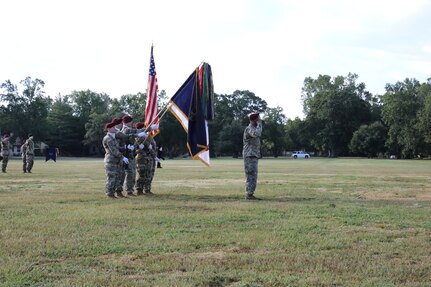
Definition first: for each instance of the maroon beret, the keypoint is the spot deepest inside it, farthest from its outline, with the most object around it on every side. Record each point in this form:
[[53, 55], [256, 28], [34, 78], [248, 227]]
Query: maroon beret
[[139, 125], [253, 116], [116, 121], [110, 125], [127, 119]]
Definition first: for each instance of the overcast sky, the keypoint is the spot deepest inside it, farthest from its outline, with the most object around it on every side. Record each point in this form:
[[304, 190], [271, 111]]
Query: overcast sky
[[267, 47]]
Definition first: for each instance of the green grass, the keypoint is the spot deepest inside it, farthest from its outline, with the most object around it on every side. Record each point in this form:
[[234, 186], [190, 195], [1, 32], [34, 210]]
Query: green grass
[[323, 222]]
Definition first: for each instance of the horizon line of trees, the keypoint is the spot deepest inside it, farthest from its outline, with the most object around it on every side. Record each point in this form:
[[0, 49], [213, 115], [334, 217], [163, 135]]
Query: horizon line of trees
[[341, 119]]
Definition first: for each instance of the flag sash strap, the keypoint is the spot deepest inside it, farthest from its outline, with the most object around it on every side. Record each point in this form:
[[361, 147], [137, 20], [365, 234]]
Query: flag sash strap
[[179, 115], [184, 121]]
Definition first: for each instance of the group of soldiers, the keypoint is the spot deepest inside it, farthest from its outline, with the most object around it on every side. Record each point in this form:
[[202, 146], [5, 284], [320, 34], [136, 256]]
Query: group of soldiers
[[27, 153], [130, 158], [131, 154]]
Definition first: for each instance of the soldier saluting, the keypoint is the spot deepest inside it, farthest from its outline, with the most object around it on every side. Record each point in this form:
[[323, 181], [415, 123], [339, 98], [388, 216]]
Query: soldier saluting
[[251, 153]]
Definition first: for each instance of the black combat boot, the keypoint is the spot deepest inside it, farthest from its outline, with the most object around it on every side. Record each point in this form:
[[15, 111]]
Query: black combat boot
[[251, 197]]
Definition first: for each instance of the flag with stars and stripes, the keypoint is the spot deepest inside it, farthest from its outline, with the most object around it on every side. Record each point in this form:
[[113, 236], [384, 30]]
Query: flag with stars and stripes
[[151, 109]]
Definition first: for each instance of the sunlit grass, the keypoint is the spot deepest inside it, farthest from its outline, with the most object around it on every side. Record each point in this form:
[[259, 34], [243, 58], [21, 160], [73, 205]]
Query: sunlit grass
[[323, 222]]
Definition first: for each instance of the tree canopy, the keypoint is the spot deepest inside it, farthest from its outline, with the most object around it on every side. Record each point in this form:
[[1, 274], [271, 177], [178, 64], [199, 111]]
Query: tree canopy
[[341, 118]]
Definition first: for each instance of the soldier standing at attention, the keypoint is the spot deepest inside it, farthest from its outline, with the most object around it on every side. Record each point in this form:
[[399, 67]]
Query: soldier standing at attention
[[251, 154], [113, 159], [29, 153], [24, 156], [121, 139], [5, 147], [129, 152], [146, 152], [124, 147]]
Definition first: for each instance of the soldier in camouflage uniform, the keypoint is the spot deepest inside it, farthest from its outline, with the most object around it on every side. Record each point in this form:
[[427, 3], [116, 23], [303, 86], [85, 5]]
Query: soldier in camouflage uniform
[[29, 153], [251, 154], [146, 152], [24, 156], [124, 140], [129, 152], [121, 139], [113, 159], [5, 147]]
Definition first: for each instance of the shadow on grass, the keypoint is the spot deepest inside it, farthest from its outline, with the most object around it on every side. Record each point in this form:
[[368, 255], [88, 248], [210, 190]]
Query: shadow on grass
[[198, 197], [227, 198], [288, 199]]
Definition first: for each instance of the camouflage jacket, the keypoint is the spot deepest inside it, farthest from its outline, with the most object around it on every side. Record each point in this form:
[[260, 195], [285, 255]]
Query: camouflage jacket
[[5, 146], [112, 150], [30, 147], [23, 149], [150, 148], [128, 138], [251, 140]]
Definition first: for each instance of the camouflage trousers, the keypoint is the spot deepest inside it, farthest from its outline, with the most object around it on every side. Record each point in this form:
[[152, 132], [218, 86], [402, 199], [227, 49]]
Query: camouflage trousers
[[4, 162], [121, 174], [130, 175], [24, 163], [145, 167], [112, 177], [29, 162], [251, 171]]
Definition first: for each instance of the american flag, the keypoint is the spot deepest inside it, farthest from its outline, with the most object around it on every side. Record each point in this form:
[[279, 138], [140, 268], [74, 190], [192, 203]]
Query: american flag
[[151, 109]]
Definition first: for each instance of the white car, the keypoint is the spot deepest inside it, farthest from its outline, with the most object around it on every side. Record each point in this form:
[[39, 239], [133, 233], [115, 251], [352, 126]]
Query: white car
[[300, 154]]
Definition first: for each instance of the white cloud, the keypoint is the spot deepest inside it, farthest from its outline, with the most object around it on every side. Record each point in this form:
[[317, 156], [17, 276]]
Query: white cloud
[[267, 47], [427, 48]]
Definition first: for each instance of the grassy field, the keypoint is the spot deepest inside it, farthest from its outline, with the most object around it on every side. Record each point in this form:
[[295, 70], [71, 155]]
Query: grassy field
[[323, 222]]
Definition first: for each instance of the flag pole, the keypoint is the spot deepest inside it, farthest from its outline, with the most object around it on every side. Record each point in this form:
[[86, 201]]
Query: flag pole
[[164, 110], [159, 115]]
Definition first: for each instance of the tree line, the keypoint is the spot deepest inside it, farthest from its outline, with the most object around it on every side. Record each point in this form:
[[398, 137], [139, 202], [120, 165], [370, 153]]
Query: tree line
[[341, 119]]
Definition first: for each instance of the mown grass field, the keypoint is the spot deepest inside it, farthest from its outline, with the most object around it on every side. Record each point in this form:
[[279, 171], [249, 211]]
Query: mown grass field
[[323, 222]]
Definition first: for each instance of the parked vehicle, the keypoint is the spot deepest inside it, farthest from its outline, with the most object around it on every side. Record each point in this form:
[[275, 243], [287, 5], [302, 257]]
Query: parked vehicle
[[300, 154]]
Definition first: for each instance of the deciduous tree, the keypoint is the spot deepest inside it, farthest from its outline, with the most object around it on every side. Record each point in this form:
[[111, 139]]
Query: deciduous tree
[[401, 105], [334, 109]]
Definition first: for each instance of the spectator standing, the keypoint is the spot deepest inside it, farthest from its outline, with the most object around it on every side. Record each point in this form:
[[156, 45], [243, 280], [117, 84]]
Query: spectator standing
[[159, 157]]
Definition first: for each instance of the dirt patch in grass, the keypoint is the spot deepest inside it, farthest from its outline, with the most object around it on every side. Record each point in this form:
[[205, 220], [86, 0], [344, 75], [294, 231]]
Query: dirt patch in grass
[[124, 259], [411, 195], [325, 190], [207, 183], [218, 255]]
